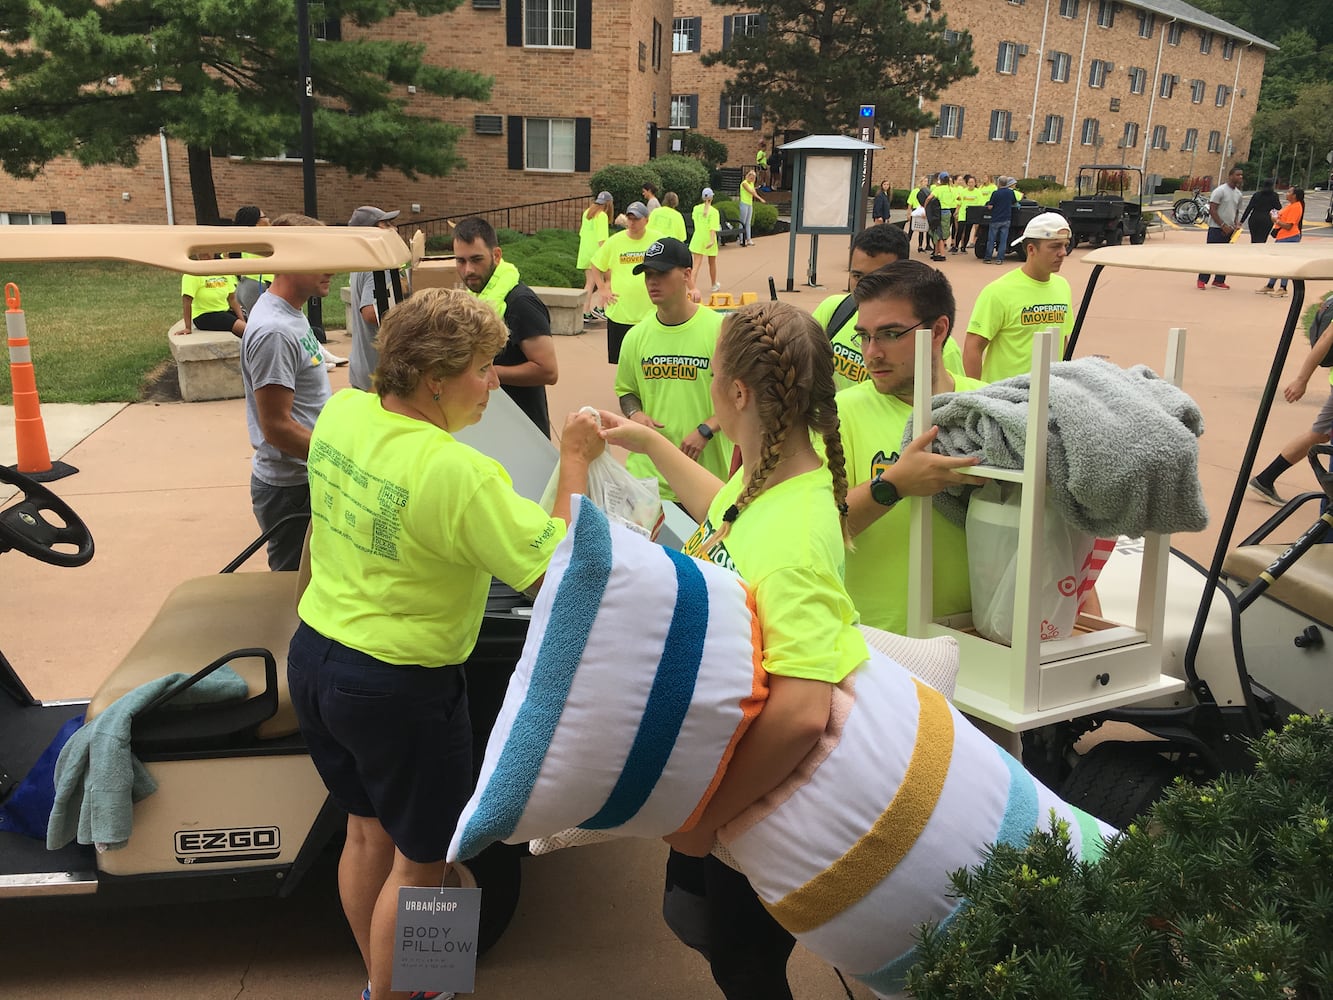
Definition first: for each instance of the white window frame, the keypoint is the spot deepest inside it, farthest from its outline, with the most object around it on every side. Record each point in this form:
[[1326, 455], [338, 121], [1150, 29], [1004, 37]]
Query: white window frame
[[1138, 79], [1205, 41], [1060, 66], [1174, 33], [1004, 120], [1069, 8], [746, 25], [1105, 13], [1228, 48], [25, 218], [1131, 135], [1053, 130], [1223, 95], [1214, 141], [740, 113], [949, 115], [553, 143], [1191, 141], [1159, 137], [1147, 23], [683, 33], [1007, 63], [1197, 91], [681, 103], [556, 24], [1166, 89], [1092, 129], [1097, 74]]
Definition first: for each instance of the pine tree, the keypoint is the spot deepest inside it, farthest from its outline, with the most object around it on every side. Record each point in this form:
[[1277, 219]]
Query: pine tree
[[93, 79], [816, 61]]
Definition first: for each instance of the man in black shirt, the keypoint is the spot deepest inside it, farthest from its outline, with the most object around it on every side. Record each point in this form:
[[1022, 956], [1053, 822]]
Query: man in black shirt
[[526, 365]]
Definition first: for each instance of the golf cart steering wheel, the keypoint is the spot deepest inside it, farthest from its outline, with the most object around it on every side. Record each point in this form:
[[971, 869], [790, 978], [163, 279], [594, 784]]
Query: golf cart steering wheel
[[25, 526]]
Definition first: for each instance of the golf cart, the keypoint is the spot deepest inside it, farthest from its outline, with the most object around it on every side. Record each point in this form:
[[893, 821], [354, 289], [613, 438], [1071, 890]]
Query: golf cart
[[240, 809], [1100, 213], [1216, 654], [979, 216]]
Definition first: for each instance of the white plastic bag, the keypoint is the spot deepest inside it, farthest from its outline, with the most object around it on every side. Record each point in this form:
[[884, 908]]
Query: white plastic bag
[[622, 496], [992, 556]]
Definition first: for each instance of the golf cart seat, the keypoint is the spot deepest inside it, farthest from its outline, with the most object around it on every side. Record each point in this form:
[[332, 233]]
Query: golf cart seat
[[1306, 586], [203, 620]]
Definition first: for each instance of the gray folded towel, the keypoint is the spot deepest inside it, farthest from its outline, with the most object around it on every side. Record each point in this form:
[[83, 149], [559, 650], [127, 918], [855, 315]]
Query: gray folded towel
[[1122, 451]]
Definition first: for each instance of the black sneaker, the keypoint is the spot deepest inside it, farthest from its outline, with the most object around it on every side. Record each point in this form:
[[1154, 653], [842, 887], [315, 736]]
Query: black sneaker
[[1266, 492]]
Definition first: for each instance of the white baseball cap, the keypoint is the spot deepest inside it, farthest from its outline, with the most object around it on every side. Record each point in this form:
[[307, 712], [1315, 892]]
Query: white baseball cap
[[1047, 226]]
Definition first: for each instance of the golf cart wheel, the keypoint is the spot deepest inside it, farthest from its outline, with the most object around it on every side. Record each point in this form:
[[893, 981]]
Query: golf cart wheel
[[1138, 237], [497, 872], [1117, 237], [1117, 782], [1073, 243], [1021, 252], [983, 240]]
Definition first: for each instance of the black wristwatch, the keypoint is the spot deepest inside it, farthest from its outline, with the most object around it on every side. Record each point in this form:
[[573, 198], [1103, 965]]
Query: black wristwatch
[[706, 432], [883, 492]]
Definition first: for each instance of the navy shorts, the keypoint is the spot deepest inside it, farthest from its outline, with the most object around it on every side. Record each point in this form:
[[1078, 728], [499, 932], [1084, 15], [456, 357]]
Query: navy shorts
[[390, 742]]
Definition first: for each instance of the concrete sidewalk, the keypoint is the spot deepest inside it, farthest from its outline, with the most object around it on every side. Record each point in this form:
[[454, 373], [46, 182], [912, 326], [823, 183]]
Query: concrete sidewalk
[[164, 489]]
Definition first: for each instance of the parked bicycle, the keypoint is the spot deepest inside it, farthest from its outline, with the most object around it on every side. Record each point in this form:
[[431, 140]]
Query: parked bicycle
[[1188, 211]]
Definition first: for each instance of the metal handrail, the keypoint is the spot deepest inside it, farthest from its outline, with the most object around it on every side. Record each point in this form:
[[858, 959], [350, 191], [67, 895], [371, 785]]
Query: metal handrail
[[559, 213]]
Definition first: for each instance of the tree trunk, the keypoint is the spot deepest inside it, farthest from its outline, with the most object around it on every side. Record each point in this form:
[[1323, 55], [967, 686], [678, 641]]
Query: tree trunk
[[201, 186]]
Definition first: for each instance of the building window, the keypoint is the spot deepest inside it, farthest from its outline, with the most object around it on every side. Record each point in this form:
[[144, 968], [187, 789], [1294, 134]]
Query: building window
[[1138, 80], [684, 111], [685, 34], [1147, 22], [1174, 33], [1205, 41], [1159, 137], [1091, 130], [1168, 87], [741, 112], [1105, 13], [657, 45], [1228, 48], [25, 218], [1214, 141], [1069, 8], [1191, 140], [1060, 63], [1007, 60], [1131, 137], [999, 127], [1097, 73], [1053, 130], [548, 24], [549, 144], [745, 25], [1223, 92], [951, 122], [1197, 88]]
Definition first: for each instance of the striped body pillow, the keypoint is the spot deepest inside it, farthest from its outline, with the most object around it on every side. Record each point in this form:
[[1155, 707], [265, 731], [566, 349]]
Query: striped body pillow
[[853, 852], [640, 673]]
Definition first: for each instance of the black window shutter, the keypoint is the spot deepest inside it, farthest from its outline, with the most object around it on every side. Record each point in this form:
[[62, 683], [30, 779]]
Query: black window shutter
[[693, 110], [583, 24], [763, 23], [582, 145], [514, 24], [515, 142], [726, 31], [999, 59], [696, 35], [757, 115], [723, 106], [959, 133]]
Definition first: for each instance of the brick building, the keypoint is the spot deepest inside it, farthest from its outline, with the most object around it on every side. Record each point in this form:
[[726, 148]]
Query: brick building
[[580, 84], [1151, 83]]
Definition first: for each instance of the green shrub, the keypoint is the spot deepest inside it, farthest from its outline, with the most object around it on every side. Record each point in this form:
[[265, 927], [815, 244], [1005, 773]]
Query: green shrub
[[1169, 185], [682, 174], [711, 152], [1224, 890], [765, 219], [1031, 185], [898, 199], [625, 183], [1051, 197], [728, 209]]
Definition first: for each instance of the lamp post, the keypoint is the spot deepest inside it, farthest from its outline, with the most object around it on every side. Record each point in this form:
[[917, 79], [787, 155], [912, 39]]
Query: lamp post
[[315, 307]]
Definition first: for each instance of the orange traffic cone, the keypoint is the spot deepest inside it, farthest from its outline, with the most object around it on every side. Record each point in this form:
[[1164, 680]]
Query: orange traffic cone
[[29, 431]]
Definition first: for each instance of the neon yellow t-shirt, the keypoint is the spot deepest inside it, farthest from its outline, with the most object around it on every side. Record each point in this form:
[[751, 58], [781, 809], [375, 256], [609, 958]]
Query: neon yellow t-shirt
[[747, 195], [670, 369], [848, 365], [592, 234], [620, 254], [1009, 310], [666, 221], [787, 545], [985, 191], [872, 433], [245, 254], [967, 197], [707, 223], [947, 195], [208, 293], [409, 527]]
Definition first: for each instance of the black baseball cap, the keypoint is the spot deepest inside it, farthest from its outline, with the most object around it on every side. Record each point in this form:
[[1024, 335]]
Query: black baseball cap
[[665, 255]]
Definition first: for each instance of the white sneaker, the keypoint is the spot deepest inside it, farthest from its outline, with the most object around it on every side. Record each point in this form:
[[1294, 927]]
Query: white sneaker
[[329, 366], [332, 358], [717, 286]]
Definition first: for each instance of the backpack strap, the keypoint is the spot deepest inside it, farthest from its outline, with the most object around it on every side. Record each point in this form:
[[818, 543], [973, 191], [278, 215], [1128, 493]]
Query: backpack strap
[[841, 315]]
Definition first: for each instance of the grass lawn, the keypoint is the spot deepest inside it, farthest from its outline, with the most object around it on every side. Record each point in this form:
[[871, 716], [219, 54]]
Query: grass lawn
[[99, 329]]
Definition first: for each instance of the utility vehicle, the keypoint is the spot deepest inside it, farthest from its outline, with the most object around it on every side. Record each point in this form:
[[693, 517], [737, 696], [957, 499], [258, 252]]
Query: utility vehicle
[[1100, 213]]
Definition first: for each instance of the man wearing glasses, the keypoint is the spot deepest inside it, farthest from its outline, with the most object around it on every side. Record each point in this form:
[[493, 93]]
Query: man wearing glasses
[[892, 304]]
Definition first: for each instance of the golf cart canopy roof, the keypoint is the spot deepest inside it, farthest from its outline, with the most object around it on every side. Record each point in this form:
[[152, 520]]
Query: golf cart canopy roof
[[1109, 166], [1306, 261], [192, 249]]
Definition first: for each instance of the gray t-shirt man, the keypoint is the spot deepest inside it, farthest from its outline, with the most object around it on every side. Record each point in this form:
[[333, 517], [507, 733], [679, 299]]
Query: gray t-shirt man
[[1227, 199], [279, 348], [365, 357]]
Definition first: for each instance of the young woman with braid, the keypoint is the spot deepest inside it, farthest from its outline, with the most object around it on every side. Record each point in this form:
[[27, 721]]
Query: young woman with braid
[[780, 523]]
